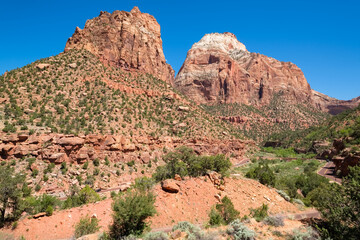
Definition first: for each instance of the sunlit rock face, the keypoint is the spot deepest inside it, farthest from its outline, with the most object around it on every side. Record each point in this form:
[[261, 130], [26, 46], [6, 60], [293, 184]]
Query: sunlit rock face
[[130, 40], [219, 69]]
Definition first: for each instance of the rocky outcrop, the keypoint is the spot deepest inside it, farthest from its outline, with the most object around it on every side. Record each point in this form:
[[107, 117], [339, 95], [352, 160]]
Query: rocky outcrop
[[333, 105], [130, 40], [219, 69], [59, 148]]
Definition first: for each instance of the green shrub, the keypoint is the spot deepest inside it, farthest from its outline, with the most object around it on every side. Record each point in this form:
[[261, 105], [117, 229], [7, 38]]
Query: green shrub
[[239, 231], [88, 195], [260, 213], [184, 162], [86, 164], [14, 225], [263, 173], [86, 226], [130, 213], [37, 188], [49, 210], [226, 210], [43, 203], [215, 219], [96, 162], [144, 184]]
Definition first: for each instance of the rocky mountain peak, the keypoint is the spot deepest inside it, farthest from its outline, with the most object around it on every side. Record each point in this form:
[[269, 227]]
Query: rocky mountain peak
[[219, 69], [135, 10], [130, 40], [226, 42]]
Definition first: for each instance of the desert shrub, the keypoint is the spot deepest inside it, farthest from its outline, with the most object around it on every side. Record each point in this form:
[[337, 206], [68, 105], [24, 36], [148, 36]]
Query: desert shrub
[[184, 162], [37, 188], [156, 236], [96, 162], [88, 195], [305, 234], [227, 210], [298, 201], [239, 231], [215, 219], [49, 210], [275, 221], [86, 164], [14, 225], [86, 226], [192, 231], [78, 198], [260, 213], [144, 184], [130, 212], [43, 203], [284, 195]]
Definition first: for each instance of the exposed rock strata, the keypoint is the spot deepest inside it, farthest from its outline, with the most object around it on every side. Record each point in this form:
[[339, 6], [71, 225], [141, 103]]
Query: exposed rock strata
[[58, 148], [130, 40]]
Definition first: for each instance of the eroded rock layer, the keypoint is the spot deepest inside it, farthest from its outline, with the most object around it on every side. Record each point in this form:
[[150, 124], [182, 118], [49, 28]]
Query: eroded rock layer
[[130, 40]]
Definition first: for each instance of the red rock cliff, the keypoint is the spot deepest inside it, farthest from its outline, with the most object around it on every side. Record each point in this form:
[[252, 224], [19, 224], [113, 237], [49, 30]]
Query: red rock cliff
[[219, 69], [130, 40]]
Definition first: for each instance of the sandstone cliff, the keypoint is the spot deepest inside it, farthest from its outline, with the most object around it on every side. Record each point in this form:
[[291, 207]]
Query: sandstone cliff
[[333, 105], [130, 40], [219, 69]]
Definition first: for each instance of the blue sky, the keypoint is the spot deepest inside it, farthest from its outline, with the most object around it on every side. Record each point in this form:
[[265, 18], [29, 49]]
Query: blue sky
[[321, 37]]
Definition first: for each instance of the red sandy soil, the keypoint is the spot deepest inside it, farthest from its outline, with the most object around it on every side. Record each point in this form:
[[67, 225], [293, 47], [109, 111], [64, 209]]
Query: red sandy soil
[[192, 203]]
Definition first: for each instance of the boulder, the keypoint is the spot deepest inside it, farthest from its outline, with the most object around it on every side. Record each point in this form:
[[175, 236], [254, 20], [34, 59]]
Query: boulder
[[71, 141], [72, 65], [42, 66], [58, 158], [39, 215], [170, 186], [183, 109]]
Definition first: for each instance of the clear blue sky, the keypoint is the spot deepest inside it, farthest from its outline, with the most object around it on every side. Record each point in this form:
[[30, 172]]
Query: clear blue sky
[[321, 37]]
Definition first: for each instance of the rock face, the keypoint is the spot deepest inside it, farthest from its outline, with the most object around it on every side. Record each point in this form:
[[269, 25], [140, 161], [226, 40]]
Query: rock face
[[130, 40], [333, 105], [219, 69]]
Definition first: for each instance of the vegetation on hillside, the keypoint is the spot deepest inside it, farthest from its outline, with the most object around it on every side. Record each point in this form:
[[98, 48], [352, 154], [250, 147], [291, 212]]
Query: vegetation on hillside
[[275, 118], [340, 207], [343, 125], [93, 98], [288, 177]]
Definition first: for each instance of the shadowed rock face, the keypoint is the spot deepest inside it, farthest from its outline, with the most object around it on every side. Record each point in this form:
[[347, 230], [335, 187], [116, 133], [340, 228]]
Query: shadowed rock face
[[333, 105], [219, 69], [130, 40]]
